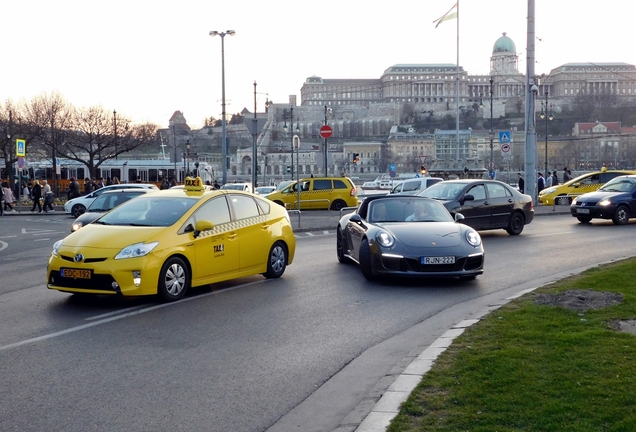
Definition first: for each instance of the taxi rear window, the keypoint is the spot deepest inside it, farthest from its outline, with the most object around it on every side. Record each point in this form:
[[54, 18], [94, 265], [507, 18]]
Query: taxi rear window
[[340, 184]]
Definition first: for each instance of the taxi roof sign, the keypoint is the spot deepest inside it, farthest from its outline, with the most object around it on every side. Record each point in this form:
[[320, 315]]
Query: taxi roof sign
[[193, 184]]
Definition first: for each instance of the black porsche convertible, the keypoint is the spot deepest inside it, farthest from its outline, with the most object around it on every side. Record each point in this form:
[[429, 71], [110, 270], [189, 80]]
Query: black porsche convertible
[[411, 236]]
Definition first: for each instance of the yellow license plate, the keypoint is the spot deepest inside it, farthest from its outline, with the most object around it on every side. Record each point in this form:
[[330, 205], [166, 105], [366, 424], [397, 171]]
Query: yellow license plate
[[75, 273]]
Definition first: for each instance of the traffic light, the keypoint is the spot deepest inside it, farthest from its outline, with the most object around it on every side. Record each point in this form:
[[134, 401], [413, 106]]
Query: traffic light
[[356, 157], [288, 169], [423, 169]]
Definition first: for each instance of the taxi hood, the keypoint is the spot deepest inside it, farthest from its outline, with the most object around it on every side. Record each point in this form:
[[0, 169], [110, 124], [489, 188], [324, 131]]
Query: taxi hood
[[111, 236]]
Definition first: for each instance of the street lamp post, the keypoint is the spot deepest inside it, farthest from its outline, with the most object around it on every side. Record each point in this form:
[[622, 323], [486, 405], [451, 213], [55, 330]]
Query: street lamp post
[[115, 126], [224, 133], [186, 160], [291, 126], [491, 135], [546, 113], [327, 110]]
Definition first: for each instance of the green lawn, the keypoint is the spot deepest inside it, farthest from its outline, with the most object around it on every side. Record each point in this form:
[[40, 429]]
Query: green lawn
[[533, 367]]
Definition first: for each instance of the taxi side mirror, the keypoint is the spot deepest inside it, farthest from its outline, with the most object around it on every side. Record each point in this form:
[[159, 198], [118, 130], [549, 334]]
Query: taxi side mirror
[[577, 184], [202, 225]]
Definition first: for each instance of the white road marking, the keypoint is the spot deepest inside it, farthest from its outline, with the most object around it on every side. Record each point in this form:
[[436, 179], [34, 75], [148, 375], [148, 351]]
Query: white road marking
[[3, 245], [552, 234], [121, 316], [13, 236], [42, 239]]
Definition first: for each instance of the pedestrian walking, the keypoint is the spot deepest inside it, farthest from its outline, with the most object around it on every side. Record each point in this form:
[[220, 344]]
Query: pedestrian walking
[[555, 178], [49, 197], [88, 186], [8, 197], [566, 175], [520, 182], [540, 183], [36, 194], [1, 199], [164, 184], [548, 180], [73, 189]]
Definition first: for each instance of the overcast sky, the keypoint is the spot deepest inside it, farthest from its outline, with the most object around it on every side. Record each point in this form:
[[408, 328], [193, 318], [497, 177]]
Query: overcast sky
[[149, 58]]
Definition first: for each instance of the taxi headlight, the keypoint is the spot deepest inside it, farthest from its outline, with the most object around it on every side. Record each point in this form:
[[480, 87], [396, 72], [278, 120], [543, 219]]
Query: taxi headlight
[[76, 226], [385, 239], [604, 202], [473, 238], [56, 247], [136, 250]]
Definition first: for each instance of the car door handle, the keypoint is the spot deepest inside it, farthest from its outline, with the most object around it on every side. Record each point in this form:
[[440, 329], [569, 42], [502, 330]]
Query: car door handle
[[231, 236]]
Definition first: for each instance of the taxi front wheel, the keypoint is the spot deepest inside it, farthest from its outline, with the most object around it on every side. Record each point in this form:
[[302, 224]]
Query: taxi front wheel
[[276, 261], [173, 280]]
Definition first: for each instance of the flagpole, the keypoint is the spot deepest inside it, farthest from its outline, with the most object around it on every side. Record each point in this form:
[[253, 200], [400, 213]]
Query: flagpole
[[457, 88]]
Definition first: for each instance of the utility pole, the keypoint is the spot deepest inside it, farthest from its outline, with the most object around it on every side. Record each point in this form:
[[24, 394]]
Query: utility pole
[[531, 92]]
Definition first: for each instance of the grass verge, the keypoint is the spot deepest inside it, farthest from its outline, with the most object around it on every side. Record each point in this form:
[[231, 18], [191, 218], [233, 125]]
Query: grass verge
[[536, 367]]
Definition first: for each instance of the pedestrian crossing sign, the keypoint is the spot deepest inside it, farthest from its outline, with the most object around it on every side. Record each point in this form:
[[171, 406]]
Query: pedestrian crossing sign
[[504, 137], [20, 147]]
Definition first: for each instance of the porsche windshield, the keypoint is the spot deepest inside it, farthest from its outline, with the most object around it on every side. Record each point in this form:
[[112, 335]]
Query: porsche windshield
[[149, 211]]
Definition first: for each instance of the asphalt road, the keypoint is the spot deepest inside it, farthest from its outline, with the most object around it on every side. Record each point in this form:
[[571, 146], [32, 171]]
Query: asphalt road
[[310, 351]]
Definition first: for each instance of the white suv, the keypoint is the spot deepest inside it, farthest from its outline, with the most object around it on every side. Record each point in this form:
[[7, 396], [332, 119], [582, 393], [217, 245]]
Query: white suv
[[413, 186], [78, 205]]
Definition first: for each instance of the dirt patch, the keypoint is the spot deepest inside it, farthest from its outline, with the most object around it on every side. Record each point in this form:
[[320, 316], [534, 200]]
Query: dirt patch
[[580, 300]]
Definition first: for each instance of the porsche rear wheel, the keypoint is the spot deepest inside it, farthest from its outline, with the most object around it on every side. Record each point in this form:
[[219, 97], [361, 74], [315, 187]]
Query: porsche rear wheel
[[515, 226], [621, 217], [366, 261], [340, 247], [174, 280], [276, 261]]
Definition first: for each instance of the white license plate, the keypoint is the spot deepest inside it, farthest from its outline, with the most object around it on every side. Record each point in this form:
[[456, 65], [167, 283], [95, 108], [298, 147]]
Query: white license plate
[[438, 260], [583, 211]]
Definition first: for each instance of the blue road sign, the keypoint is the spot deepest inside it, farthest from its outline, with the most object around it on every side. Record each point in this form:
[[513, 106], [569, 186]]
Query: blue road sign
[[504, 137], [20, 147], [392, 167]]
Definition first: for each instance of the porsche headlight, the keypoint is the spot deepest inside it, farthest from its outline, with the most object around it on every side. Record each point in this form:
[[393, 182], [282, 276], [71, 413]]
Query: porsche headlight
[[56, 247], [604, 202], [385, 239], [136, 250], [473, 238]]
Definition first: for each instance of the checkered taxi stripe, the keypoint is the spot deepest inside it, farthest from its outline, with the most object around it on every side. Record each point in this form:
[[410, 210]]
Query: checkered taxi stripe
[[234, 225]]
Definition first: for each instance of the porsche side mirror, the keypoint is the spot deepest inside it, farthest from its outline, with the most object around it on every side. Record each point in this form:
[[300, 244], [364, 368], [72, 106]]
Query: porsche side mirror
[[355, 218], [459, 217]]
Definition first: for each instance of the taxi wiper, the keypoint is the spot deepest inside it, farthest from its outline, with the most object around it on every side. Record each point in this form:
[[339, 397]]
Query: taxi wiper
[[101, 222], [139, 224]]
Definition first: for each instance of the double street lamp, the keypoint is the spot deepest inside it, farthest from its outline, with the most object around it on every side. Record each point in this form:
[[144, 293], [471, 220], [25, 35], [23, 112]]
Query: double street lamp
[[224, 143], [546, 113]]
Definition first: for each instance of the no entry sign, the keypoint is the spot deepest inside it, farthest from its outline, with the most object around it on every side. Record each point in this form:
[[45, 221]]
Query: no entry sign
[[326, 131]]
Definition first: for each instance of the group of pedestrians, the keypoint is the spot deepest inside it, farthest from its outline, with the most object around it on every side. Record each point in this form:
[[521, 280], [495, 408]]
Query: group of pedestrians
[[42, 191], [552, 179]]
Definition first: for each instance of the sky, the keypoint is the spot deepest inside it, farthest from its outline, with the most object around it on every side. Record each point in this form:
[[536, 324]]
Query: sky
[[147, 59]]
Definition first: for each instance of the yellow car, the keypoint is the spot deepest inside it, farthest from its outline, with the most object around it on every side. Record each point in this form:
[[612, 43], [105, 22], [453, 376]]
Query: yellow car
[[332, 193], [168, 241], [564, 193]]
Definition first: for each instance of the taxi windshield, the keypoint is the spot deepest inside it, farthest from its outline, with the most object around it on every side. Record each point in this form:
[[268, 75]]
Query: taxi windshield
[[149, 211]]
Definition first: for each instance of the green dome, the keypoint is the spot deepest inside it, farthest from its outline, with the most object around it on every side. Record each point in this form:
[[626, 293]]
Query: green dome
[[504, 44]]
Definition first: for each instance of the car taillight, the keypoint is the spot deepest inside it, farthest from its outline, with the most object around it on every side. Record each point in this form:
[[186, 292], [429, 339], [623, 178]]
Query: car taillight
[[353, 192]]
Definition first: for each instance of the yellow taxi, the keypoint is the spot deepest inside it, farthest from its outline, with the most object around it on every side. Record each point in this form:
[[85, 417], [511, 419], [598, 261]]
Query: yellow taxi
[[332, 193], [564, 193], [168, 241]]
